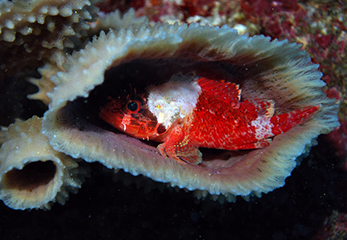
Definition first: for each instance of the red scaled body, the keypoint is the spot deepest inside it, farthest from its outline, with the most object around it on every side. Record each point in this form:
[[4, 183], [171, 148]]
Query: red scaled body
[[218, 120]]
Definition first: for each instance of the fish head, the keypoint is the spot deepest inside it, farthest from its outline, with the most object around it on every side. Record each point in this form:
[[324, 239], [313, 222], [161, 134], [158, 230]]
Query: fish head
[[131, 115]]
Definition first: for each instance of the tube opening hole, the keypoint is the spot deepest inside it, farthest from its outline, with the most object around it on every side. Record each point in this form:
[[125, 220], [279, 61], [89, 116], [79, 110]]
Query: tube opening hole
[[31, 176]]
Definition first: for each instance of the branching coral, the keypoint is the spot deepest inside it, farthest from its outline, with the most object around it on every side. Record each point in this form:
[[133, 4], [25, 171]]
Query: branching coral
[[31, 31]]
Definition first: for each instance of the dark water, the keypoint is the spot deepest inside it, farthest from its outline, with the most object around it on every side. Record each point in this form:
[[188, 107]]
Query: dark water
[[107, 208], [138, 208]]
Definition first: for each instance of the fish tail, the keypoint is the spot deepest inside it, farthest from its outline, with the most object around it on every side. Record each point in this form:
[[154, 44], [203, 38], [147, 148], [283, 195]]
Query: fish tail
[[283, 122]]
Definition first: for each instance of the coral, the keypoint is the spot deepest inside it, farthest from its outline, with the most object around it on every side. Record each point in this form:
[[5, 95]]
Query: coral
[[145, 55], [31, 31], [116, 21], [196, 7], [339, 138], [334, 227], [44, 83], [108, 6], [32, 174], [36, 32]]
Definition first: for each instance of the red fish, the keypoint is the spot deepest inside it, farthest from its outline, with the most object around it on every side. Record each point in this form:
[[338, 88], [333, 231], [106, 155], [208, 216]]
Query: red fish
[[186, 115]]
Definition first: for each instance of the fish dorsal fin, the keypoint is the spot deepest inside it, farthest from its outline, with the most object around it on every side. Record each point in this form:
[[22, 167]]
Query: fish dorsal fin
[[263, 107], [226, 91]]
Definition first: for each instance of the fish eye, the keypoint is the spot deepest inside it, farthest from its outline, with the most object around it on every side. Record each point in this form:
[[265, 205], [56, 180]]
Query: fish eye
[[133, 106]]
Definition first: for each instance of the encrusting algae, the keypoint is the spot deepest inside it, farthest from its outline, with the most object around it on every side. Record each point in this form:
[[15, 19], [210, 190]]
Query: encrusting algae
[[136, 55]]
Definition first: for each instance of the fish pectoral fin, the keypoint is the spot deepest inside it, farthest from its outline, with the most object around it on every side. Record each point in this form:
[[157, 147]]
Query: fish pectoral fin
[[181, 148], [181, 154]]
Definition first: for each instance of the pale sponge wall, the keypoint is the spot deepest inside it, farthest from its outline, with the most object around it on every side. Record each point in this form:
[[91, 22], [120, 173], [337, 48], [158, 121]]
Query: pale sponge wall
[[32, 174]]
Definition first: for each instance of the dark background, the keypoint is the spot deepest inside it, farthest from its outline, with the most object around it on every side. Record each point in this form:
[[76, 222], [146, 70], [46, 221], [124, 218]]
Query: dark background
[[120, 206]]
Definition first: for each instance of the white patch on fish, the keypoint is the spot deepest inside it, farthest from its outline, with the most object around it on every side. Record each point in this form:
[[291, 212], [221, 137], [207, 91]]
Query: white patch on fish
[[263, 127], [173, 100]]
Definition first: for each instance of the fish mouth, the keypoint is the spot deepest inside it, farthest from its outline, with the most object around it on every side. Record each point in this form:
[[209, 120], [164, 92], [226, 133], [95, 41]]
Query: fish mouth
[[91, 114], [256, 65], [84, 134], [112, 116], [88, 120]]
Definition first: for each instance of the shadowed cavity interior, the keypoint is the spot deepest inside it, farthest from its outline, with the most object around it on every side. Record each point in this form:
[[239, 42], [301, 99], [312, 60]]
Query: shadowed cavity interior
[[137, 75], [31, 176]]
